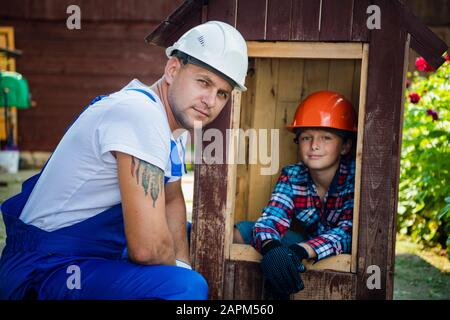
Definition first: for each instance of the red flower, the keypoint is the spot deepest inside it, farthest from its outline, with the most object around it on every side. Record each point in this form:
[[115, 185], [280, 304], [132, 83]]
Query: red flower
[[447, 57], [408, 83], [433, 113], [414, 97], [423, 65]]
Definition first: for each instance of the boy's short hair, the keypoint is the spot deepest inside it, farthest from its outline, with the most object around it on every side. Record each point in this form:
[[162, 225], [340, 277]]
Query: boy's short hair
[[345, 135]]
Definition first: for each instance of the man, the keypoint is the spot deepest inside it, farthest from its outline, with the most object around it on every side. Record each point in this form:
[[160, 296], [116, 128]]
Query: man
[[106, 219]]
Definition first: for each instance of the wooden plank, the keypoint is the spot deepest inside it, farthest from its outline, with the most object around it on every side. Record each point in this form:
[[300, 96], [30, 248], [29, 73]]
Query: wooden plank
[[279, 19], [248, 281], [246, 123], [336, 20], [228, 285], [340, 77], [290, 83], [307, 50], [360, 32], [319, 285], [193, 19], [327, 285], [342, 262], [359, 156], [423, 40], [356, 85], [208, 225], [263, 118], [233, 145], [442, 32], [397, 141], [381, 150], [251, 19], [428, 53], [223, 10], [305, 20], [315, 76]]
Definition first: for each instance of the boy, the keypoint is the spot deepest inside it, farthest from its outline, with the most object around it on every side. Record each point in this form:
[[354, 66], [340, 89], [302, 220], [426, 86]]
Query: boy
[[316, 194]]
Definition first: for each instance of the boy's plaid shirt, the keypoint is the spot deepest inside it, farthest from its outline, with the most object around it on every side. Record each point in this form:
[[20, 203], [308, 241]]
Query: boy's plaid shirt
[[329, 227]]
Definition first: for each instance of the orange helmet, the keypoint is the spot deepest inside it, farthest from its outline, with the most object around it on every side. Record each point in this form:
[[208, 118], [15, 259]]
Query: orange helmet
[[326, 109]]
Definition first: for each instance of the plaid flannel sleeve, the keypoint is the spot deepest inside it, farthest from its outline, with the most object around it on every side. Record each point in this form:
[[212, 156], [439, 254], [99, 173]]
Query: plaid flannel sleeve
[[277, 215], [336, 240]]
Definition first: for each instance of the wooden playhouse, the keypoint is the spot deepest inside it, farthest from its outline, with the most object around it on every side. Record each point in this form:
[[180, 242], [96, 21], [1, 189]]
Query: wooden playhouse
[[297, 47]]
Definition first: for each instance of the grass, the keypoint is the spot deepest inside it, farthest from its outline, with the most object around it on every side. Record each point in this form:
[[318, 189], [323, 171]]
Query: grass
[[10, 184], [420, 273]]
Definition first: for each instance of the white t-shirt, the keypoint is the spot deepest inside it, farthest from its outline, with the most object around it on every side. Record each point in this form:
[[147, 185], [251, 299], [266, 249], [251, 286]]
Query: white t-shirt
[[80, 179]]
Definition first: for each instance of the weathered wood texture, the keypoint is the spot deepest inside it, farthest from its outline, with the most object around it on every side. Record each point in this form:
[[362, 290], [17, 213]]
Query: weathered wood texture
[[188, 15], [251, 19], [224, 10], [209, 214], [243, 281], [208, 229], [327, 285], [381, 150], [91, 10], [301, 20]]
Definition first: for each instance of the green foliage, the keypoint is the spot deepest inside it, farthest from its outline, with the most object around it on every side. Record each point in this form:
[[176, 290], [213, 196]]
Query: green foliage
[[424, 193]]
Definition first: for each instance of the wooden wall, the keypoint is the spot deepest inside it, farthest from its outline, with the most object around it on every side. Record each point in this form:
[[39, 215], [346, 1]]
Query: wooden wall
[[66, 69]]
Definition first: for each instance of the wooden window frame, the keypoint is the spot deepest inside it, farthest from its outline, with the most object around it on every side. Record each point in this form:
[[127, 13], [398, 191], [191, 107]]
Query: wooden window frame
[[300, 50]]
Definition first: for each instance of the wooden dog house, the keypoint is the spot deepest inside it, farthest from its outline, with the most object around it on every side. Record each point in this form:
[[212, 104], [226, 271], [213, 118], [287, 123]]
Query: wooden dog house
[[297, 47]]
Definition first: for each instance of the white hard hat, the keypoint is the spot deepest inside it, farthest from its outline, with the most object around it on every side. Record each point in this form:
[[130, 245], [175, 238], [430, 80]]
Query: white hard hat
[[219, 46]]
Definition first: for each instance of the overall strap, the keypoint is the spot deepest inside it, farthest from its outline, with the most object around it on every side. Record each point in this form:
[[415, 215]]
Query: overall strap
[[148, 94]]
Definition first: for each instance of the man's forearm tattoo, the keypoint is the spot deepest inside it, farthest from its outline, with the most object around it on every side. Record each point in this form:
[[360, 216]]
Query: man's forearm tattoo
[[150, 177]]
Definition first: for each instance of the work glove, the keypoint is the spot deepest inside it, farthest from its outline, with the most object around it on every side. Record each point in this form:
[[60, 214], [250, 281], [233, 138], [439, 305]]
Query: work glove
[[281, 266]]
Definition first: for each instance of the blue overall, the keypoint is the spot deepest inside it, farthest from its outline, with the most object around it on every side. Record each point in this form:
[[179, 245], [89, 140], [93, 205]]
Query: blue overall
[[39, 264]]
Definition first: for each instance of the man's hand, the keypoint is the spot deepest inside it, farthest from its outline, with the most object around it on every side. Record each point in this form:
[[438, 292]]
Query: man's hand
[[281, 266]]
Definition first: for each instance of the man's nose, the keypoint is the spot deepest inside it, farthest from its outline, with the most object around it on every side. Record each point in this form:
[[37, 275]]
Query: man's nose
[[209, 98]]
